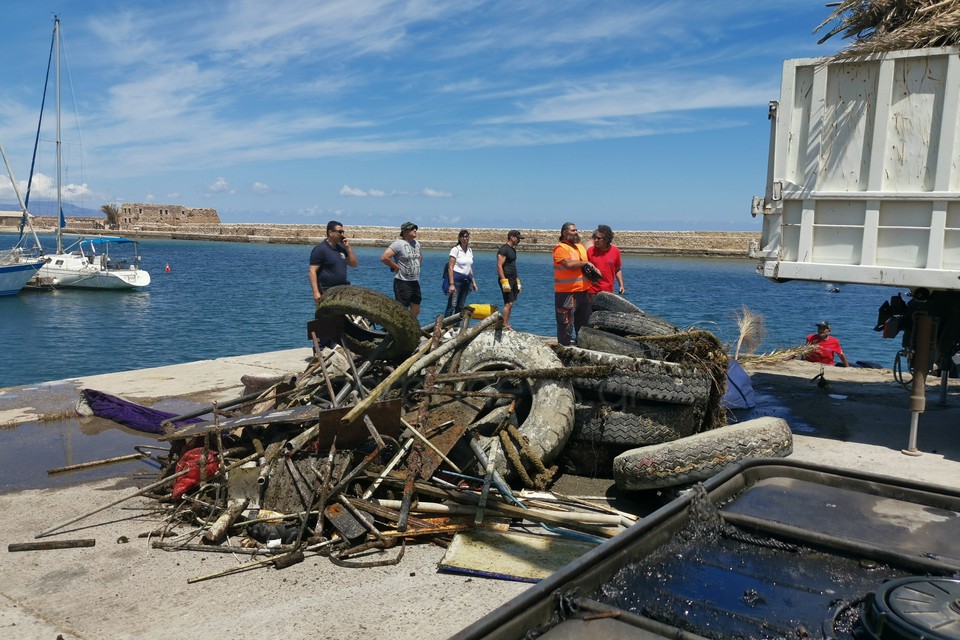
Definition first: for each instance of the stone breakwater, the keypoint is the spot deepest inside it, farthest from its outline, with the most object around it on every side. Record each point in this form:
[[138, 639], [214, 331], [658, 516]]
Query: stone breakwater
[[727, 244]]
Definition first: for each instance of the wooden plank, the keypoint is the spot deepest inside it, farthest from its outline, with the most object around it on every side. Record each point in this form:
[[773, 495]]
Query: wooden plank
[[522, 557]]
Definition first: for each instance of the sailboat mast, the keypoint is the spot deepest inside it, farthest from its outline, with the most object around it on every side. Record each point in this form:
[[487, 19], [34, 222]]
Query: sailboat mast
[[56, 39]]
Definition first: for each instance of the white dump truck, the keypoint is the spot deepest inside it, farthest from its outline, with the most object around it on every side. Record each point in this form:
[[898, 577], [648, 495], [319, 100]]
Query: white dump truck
[[863, 186]]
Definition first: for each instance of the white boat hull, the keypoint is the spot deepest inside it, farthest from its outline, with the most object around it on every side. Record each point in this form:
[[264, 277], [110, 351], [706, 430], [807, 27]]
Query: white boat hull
[[77, 271], [14, 276]]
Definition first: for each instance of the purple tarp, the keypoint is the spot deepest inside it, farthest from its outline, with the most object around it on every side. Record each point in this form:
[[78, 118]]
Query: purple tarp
[[129, 414]]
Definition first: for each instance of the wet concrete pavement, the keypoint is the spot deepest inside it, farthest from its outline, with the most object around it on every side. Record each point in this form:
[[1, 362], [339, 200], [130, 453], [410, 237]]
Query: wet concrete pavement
[[40, 428]]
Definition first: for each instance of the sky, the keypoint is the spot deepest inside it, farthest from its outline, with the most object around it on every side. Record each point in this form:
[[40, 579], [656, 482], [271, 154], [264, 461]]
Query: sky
[[466, 113]]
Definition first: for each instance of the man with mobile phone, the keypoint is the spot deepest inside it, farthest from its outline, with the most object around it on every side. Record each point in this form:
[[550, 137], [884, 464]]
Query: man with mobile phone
[[329, 261]]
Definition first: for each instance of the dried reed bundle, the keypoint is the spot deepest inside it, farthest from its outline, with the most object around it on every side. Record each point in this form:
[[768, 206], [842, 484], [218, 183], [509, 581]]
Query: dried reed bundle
[[779, 355], [752, 332], [878, 26]]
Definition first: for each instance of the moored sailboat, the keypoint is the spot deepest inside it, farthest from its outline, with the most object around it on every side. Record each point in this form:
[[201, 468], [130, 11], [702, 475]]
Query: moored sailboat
[[17, 265], [80, 265]]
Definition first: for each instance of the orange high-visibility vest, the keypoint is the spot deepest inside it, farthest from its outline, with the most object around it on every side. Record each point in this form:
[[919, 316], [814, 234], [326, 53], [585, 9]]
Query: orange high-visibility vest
[[569, 280]]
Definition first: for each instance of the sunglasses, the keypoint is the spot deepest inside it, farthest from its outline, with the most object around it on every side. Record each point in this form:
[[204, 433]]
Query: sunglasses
[[598, 237], [340, 231]]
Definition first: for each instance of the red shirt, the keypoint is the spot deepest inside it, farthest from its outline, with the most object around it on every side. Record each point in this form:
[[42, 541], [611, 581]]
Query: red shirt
[[608, 263], [825, 351]]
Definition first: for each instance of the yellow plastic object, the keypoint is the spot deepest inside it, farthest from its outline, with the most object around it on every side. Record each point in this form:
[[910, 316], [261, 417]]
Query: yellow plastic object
[[481, 311]]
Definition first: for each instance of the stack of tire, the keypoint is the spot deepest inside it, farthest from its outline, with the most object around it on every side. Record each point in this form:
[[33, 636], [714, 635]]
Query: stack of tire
[[653, 422]]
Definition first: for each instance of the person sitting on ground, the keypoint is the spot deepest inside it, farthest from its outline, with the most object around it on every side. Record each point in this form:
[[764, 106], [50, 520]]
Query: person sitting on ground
[[826, 346]]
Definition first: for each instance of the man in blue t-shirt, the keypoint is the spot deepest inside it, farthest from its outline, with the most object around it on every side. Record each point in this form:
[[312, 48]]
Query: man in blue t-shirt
[[329, 260]]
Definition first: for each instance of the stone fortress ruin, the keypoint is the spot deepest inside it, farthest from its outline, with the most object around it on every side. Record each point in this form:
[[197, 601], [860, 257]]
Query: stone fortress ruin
[[140, 214]]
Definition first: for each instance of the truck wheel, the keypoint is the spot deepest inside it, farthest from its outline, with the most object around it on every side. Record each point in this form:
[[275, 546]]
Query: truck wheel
[[698, 457], [630, 324], [639, 378], [545, 416], [385, 316], [638, 426], [598, 340]]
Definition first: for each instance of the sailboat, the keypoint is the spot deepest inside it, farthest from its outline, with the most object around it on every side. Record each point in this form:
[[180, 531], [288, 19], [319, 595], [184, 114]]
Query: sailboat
[[87, 263], [18, 264]]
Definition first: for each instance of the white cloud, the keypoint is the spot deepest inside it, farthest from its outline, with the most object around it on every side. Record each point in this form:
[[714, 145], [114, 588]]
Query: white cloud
[[350, 192], [260, 187], [220, 185]]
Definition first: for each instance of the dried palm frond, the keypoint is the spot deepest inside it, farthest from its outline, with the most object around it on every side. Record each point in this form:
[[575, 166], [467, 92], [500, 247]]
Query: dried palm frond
[[890, 25], [779, 355], [752, 332]]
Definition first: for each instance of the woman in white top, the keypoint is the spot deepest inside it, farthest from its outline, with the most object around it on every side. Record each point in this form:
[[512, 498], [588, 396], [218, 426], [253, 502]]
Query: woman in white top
[[459, 278]]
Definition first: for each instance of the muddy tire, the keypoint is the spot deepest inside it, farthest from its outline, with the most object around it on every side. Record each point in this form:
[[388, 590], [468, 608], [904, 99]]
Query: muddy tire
[[638, 426], [545, 417], [598, 340], [606, 301], [631, 324], [701, 456], [639, 378], [386, 315]]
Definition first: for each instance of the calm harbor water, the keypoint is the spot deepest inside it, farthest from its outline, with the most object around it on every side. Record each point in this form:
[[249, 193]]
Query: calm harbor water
[[222, 299]]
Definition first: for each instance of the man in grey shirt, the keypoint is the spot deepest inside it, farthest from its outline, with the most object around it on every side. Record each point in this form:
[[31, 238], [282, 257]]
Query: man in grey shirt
[[404, 256]]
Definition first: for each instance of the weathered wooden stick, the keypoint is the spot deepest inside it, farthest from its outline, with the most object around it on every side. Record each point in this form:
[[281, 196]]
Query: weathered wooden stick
[[535, 515], [97, 463], [400, 455], [425, 441], [384, 386], [51, 544], [461, 339], [493, 509], [257, 563], [149, 487], [218, 531], [220, 548]]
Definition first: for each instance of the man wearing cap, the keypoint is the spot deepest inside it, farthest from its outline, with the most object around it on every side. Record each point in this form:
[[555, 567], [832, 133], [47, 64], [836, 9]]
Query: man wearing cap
[[570, 283], [404, 257], [507, 274], [826, 346], [329, 261]]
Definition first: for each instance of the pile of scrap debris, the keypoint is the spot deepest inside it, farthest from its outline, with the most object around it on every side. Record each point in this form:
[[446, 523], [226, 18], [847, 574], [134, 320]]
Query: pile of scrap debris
[[396, 434]]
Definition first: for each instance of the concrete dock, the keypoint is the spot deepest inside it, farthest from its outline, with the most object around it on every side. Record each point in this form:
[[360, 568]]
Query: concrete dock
[[121, 588]]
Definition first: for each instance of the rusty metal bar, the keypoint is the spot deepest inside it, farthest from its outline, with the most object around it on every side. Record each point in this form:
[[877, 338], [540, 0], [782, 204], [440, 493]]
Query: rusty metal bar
[[50, 545], [98, 463]]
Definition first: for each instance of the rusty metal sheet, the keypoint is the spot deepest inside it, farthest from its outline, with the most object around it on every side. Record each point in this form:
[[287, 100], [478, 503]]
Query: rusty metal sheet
[[384, 414], [429, 460]]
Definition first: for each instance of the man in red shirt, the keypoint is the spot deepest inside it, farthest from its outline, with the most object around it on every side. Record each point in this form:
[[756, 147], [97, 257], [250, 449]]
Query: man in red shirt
[[606, 258], [827, 346]]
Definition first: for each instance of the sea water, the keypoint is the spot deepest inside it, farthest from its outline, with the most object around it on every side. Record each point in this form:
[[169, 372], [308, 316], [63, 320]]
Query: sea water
[[223, 299]]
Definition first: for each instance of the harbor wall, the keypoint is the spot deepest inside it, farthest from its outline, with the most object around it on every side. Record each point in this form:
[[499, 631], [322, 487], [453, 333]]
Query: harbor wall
[[727, 244]]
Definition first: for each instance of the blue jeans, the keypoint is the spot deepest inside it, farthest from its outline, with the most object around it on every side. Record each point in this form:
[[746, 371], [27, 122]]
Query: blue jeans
[[462, 286]]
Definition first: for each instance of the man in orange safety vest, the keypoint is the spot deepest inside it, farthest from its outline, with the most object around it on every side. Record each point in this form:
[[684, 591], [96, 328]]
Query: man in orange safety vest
[[572, 273]]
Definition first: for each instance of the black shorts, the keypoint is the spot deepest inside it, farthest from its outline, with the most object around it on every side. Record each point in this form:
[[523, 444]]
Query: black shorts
[[407, 292], [513, 294]]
